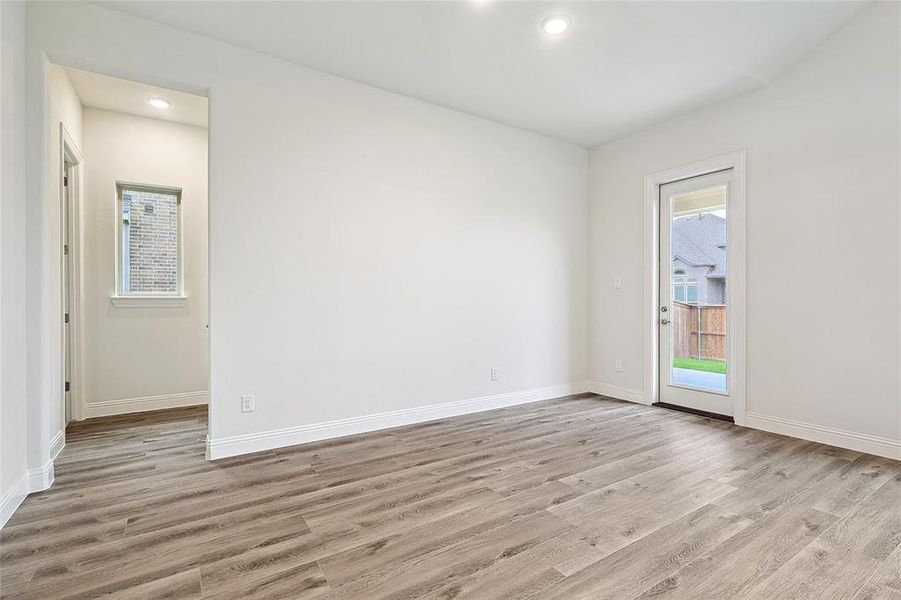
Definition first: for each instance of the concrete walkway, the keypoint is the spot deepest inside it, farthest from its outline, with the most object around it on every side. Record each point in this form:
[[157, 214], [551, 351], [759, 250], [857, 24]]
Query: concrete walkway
[[715, 382]]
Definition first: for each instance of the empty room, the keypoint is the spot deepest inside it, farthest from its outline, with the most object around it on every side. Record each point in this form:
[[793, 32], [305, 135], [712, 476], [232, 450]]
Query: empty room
[[459, 299]]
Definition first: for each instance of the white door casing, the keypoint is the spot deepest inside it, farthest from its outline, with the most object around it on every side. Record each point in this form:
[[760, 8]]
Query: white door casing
[[736, 276]]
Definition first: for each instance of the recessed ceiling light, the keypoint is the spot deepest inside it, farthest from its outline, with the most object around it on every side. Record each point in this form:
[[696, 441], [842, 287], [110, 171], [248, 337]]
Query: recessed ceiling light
[[555, 25], [159, 103]]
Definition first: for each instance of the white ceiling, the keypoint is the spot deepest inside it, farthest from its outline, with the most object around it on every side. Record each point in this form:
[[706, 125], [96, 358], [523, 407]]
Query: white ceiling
[[112, 93], [620, 67]]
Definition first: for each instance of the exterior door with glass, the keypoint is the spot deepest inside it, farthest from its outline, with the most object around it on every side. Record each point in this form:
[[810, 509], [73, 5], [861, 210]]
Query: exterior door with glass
[[694, 293]]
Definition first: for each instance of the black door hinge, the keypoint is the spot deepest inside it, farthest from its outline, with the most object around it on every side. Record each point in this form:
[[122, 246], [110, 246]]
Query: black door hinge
[[67, 386], [65, 180], [66, 318]]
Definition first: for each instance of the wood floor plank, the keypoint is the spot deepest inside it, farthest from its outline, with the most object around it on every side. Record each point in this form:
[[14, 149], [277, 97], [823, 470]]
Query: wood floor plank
[[354, 563], [144, 558], [667, 483], [180, 585], [608, 531], [520, 576], [334, 540], [301, 582], [13, 582], [874, 526], [575, 497], [746, 559], [889, 573], [821, 571], [426, 573], [638, 566], [877, 592], [774, 490], [842, 490]]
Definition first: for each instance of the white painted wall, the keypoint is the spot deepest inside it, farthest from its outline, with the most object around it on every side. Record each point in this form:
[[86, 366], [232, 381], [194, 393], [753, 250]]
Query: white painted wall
[[13, 478], [368, 252], [392, 253], [43, 368], [823, 196], [138, 353], [66, 108], [372, 253]]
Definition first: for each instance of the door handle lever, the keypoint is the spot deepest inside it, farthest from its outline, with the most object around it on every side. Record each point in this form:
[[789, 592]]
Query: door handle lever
[[664, 321]]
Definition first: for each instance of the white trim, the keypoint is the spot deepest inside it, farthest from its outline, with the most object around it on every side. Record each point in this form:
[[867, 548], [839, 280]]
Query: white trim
[[57, 444], [736, 279], [898, 228], [69, 152], [32, 480], [148, 301], [302, 434], [131, 405], [826, 435], [40, 478], [618, 392], [13, 499]]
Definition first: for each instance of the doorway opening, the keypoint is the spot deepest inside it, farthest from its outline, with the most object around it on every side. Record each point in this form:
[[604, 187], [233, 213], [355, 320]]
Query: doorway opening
[[695, 332], [71, 160], [133, 172]]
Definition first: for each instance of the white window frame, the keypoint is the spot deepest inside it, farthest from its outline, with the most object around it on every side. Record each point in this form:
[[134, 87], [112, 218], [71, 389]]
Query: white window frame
[[148, 299], [686, 281]]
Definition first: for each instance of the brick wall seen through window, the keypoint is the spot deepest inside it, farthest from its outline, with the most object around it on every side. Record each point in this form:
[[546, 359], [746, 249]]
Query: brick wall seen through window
[[149, 241]]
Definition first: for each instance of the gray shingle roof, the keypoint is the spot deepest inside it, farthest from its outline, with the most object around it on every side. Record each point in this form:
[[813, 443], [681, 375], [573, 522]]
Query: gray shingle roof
[[700, 240]]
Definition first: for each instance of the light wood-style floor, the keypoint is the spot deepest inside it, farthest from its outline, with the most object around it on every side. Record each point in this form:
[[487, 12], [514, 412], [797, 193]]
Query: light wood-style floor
[[581, 497]]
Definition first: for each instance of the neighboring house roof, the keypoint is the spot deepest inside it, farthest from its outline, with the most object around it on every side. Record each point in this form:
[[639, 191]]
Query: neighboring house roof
[[700, 241]]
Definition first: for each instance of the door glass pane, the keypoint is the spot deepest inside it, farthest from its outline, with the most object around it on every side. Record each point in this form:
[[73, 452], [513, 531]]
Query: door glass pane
[[698, 339]]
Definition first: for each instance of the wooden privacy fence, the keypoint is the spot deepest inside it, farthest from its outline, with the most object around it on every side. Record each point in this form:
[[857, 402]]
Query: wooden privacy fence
[[699, 331]]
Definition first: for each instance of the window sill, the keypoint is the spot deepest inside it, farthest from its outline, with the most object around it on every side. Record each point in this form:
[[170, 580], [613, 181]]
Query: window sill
[[148, 301]]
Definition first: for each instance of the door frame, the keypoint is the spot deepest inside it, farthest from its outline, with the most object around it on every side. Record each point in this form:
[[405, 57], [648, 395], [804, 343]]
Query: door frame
[[736, 281], [69, 153]]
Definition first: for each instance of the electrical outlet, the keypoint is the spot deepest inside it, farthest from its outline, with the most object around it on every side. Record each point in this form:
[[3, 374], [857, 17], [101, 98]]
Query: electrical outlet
[[493, 373], [618, 366], [618, 282], [248, 404]]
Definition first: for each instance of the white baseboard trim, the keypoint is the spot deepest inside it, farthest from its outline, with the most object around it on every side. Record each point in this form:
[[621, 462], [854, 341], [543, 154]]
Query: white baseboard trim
[[106, 408], [302, 434], [618, 392], [33, 480], [13, 498], [826, 435], [57, 444], [40, 478]]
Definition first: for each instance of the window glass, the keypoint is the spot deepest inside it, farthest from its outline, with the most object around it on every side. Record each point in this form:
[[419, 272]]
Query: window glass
[[693, 293], [149, 241]]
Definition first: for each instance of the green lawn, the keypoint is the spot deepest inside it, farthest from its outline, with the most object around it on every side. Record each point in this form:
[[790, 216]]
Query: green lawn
[[698, 364]]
